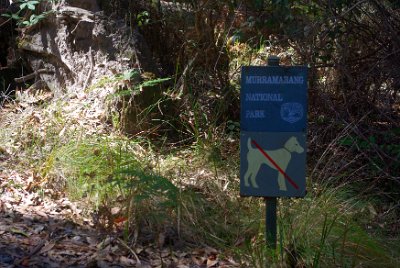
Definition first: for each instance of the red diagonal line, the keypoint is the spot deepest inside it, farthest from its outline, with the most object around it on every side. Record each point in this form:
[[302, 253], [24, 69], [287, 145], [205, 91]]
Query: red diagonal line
[[275, 165]]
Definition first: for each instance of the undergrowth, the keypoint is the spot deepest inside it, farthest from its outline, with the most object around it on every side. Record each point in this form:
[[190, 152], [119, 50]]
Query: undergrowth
[[325, 229], [141, 194]]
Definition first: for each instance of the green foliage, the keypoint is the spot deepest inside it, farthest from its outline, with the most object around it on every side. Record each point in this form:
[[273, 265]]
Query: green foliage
[[14, 16], [153, 82], [107, 172], [129, 77], [34, 19], [91, 166], [233, 128], [147, 186], [28, 6], [143, 18], [324, 230]]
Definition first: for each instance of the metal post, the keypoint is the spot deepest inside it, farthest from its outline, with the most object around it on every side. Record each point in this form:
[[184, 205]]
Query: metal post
[[270, 202], [270, 222], [273, 60]]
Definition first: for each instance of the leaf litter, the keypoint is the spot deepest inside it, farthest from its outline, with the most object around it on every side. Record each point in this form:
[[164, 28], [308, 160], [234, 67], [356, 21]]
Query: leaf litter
[[37, 231]]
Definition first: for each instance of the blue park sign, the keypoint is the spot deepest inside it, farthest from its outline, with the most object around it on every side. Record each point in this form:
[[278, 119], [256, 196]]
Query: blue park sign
[[274, 98], [273, 131]]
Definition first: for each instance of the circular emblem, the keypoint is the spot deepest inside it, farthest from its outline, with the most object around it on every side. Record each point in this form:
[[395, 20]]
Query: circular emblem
[[292, 112]]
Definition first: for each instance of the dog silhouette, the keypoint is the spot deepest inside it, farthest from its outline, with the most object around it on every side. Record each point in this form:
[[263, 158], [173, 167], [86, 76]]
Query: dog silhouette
[[281, 157]]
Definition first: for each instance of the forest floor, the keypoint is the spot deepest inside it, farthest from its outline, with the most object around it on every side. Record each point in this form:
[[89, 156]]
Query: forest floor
[[43, 232], [43, 228]]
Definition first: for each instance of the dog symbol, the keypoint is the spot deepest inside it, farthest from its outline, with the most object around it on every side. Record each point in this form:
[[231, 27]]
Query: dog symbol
[[281, 157]]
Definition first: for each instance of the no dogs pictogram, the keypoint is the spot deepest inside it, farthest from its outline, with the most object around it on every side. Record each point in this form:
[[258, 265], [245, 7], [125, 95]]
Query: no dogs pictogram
[[276, 165]]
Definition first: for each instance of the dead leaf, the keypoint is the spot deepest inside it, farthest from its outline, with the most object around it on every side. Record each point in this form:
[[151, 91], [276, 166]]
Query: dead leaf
[[211, 251], [29, 181], [165, 253], [155, 262], [105, 242], [48, 246], [102, 264], [62, 132], [109, 258], [161, 240], [211, 262], [42, 214], [144, 266], [120, 219], [92, 240], [199, 260], [180, 254], [126, 261], [198, 252], [3, 228], [232, 261], [139, 249], [25, 262], [212, 259], [372, 210], [115, 210], [38, 229], [77, 240]]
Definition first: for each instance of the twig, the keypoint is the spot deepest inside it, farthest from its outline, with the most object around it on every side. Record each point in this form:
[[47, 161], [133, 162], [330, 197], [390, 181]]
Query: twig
[[33, 252], [32, 75], [335, 141], [76, 27], [90, 70], [227, 36], [130, 250], [352, 7], [181, 80], [5, 22]]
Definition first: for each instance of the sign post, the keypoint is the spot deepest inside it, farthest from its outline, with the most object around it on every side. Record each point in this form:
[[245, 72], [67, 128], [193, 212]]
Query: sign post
[[270, 203], [273, 135], [270, 221]]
